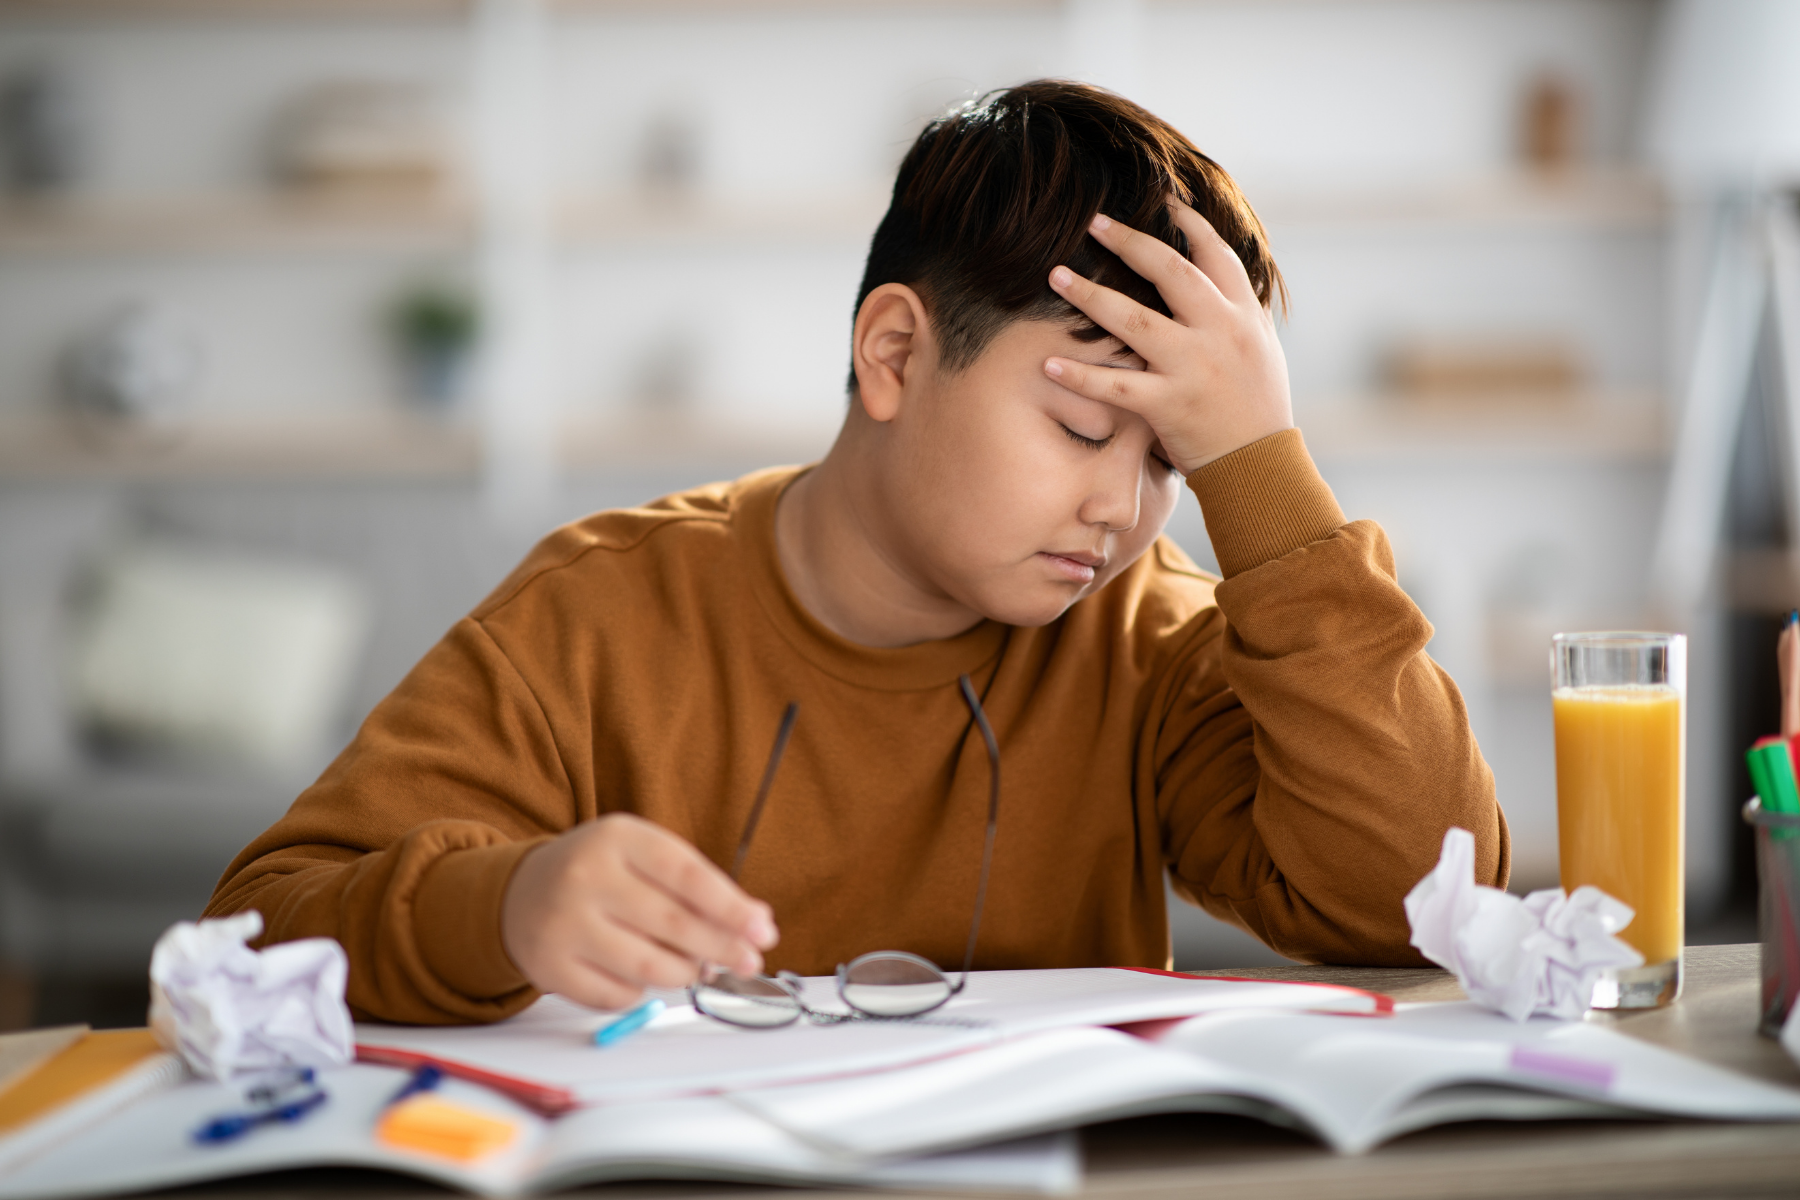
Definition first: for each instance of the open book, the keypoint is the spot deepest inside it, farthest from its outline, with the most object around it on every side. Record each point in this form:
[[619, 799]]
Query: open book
[[151, 1145], [1352, 1083]]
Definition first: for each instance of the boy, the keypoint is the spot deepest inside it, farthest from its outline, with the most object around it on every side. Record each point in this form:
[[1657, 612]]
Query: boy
[[1065, 314]]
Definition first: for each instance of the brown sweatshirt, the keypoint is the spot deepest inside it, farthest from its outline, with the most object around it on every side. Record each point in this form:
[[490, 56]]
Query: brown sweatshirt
[[1279, 741]]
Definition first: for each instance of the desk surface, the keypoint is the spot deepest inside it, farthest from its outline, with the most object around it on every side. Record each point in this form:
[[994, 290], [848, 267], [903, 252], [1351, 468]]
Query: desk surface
[[1199, 1156]]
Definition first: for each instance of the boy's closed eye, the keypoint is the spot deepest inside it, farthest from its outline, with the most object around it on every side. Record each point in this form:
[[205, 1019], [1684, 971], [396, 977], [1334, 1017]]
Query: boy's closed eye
[[1101, 443], [1092, 443]]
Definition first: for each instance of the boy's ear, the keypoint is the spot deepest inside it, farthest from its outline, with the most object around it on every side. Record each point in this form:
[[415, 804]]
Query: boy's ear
[[891, 337]]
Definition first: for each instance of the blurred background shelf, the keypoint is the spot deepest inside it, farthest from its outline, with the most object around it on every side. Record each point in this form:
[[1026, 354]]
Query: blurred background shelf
[[640, 219], [587, 444], [375, 445], [297, 221], [229, 9], [1573, 198], [1586, 428], [379, 446], [276, 221], [814, 7]]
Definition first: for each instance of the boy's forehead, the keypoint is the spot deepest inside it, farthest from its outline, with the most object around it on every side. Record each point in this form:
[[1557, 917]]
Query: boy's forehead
[[1076, 340], [1105, 350]]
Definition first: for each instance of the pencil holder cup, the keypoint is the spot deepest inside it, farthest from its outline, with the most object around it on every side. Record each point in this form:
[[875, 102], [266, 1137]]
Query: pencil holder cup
[[1777, 910]]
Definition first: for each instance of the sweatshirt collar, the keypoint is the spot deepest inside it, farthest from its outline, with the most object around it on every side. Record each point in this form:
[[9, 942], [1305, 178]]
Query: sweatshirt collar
[[899, 669]]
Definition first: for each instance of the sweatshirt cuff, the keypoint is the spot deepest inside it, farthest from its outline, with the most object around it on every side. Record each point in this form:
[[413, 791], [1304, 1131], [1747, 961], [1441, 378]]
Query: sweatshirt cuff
[[1264, 500], [456, 919]]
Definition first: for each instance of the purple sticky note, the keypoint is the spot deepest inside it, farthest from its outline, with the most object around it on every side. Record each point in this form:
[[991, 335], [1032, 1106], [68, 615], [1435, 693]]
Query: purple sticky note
[[1582, 1072]]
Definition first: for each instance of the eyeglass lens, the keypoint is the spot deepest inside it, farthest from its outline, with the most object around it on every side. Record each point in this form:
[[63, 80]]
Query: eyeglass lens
[[890, 983], [752, 1001]]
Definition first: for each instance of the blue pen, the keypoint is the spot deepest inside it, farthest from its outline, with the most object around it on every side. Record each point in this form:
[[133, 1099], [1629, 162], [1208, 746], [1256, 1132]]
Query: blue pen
[[425, 1079], [630, 1023], [236, 1125]]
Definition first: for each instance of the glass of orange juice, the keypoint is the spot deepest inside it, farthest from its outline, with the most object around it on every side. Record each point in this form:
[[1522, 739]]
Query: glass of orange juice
[[1620, 701]]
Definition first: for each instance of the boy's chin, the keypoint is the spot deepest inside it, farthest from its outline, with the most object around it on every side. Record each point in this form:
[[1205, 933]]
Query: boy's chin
[[1028, 609]]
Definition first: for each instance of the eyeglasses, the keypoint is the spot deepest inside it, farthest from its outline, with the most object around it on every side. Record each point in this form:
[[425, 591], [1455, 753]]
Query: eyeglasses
[[883, 984]]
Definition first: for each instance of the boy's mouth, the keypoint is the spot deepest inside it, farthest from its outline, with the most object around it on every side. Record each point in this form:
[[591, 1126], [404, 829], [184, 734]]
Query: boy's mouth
[[1075, 566]]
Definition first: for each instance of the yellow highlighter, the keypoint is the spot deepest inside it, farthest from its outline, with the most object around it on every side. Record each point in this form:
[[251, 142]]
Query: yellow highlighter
[[417, 1120]]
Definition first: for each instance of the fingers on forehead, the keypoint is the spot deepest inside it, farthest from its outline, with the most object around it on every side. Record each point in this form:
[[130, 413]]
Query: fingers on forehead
[[1117, 313]]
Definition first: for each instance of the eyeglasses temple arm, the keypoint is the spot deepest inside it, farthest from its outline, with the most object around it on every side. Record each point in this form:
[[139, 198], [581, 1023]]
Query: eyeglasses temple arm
[[762, 792], [993, 821]]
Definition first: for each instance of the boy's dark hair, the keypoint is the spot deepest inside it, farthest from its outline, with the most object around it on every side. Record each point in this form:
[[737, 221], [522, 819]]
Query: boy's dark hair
[[994, 194]]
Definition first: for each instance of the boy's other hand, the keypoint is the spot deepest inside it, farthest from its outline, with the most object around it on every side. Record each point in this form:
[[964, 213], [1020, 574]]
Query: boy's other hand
[[619, 904], [1217, 378]]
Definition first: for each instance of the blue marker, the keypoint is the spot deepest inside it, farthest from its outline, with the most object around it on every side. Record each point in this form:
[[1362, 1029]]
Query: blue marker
[[630, 1023]]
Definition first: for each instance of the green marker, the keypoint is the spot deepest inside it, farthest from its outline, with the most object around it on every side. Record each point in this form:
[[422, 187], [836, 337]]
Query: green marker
[[1772, 771]]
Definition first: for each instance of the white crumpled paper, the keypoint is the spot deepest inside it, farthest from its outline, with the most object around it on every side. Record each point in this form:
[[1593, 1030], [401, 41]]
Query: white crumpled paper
[[230, 1010], [1539, 955]]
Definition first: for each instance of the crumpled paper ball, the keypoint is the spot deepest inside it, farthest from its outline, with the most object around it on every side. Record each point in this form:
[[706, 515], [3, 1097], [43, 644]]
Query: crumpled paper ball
[[230, 1010], [1539, 955]]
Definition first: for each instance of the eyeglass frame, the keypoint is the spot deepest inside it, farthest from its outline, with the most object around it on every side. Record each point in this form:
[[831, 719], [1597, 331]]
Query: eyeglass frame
[[791, 983]]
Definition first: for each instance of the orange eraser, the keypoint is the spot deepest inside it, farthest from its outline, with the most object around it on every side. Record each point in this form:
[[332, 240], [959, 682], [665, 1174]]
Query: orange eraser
[[447, 1130]]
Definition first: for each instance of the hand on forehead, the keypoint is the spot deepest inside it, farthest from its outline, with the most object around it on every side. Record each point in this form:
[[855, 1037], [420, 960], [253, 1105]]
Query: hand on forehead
[[1214, 377]]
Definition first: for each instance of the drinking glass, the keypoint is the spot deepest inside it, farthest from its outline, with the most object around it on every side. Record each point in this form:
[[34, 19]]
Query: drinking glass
[[1620, 702]]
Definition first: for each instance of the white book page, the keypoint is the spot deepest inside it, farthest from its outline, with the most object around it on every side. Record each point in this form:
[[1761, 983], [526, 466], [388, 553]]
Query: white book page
[[1044, 1081], [1353, 1082], [681, 1053], [1364, 1079], [711, 1138], [685, 1053], [1494, 1102], [150, 1144]]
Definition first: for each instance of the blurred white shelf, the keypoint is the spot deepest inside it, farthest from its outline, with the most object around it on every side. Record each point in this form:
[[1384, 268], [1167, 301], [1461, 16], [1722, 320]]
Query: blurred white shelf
[[1601, 199], [673, 221], [386, 444], [396, 445], [354, 9], [228, 9], [586, 444], [758, 7], [1618, 427], [273, 221], [303, 221], [1582, 200]]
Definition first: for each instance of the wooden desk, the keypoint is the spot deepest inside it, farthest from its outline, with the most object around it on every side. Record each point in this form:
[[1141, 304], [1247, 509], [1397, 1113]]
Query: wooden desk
[[1199, 1156]]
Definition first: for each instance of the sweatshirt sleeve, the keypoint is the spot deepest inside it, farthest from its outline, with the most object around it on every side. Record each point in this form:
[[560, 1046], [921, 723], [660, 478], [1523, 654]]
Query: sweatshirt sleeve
[[1309, 754], [403, 848]]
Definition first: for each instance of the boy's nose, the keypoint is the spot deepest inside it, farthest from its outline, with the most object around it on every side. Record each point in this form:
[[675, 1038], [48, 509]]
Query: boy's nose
[[1114, 502]]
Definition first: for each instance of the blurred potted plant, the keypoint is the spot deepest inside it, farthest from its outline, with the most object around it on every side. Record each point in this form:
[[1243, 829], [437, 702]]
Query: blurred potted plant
[[436, 327]]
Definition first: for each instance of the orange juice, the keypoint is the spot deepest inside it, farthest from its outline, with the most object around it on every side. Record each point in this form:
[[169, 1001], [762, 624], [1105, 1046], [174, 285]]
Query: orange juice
[[1619, 792]]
